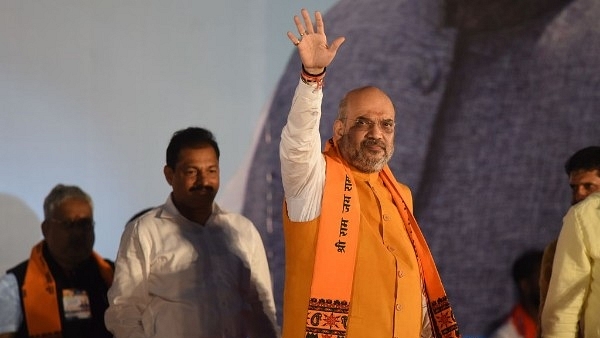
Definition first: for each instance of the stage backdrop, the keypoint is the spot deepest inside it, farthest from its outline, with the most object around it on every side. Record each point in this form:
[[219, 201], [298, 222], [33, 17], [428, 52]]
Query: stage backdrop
[[490, 103], [491, 97], [91, 91]]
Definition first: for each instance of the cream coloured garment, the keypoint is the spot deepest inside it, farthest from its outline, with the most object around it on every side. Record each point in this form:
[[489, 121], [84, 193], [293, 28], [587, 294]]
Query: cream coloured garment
[[574, 290]]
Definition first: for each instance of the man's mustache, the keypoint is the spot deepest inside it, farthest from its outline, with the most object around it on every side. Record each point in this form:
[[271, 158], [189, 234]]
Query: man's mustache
[[205, 188], [371, 142]]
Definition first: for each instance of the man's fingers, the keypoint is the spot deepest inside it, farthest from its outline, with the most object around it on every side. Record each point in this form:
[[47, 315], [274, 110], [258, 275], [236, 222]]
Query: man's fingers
[[299, 25], [293, 38], [319, 23], [307, 21], [307, 28], [337, 43]]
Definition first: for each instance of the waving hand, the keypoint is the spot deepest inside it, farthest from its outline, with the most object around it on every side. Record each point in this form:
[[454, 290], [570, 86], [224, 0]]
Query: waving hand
[[313, 49]]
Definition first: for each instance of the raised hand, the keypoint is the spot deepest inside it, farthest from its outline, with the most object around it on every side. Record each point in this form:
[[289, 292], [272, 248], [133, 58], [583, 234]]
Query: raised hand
[[313, 49]]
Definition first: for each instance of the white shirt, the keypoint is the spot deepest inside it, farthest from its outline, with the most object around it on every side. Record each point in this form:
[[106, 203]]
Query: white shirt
[[574, 290], [11, 314], [176, 278], [507, 330]]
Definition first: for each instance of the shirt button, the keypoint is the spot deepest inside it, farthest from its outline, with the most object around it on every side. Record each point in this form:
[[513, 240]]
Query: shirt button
[[400, 274], [390, 248], [386, 217], [398, 307]]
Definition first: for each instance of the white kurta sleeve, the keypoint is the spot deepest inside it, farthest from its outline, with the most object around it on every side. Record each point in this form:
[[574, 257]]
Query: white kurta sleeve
[[302, 162]]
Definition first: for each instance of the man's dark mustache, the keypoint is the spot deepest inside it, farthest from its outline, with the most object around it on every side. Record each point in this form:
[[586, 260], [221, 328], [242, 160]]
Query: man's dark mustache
[[202, 188], [371, 142]]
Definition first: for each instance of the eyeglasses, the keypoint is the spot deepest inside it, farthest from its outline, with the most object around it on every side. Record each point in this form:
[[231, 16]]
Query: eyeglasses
[[365, 124], [81, 223]]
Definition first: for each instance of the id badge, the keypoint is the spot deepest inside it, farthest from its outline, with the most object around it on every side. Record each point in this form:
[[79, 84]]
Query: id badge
[[76, 304]]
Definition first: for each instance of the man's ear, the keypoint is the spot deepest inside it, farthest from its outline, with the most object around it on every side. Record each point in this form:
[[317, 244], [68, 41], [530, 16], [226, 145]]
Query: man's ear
[[338, 130], [45, 227], [168, 171]]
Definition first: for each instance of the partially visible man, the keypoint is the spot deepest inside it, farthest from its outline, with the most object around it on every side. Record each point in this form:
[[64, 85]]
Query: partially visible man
[[573, 300], [523, 319], [357, 264], [583, 169], [61, 290], [188, 268]]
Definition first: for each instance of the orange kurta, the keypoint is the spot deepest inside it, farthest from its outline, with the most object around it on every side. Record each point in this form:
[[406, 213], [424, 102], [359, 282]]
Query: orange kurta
[[386, 296]]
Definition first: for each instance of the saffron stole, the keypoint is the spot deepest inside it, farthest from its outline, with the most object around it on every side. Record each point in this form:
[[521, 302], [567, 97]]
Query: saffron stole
[[335, 258]]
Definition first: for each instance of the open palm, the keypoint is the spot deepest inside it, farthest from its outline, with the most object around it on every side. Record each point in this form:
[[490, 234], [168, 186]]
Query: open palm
[[313, 49]]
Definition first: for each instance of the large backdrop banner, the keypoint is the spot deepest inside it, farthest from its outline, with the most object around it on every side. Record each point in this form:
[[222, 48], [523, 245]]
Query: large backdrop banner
[[491, 98]]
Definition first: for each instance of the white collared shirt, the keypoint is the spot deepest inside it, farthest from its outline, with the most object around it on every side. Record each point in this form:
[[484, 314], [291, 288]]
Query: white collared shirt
[[176, 278]]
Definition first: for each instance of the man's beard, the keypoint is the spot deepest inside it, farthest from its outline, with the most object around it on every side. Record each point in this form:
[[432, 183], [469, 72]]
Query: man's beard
[[361, 157]]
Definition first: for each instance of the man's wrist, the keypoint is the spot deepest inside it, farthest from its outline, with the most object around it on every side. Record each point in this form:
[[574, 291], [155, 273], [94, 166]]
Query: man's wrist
[[314, 71], [310, 78]]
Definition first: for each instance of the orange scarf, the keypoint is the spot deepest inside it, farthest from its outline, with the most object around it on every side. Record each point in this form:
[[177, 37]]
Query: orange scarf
[[39, 294], [337, 243], [335, 259]]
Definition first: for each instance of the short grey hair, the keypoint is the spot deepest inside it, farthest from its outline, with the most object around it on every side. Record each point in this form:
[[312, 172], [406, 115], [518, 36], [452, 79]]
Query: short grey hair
[[59, 194]]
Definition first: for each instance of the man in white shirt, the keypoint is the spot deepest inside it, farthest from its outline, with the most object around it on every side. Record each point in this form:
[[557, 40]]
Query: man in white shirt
[[188, 268]]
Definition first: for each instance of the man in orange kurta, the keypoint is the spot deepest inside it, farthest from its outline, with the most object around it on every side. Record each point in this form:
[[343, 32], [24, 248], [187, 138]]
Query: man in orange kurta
[[356, 262]]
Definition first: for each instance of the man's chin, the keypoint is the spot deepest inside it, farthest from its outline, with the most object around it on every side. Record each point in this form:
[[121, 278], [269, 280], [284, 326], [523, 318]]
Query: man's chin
[[374, 150], [369, 166], [376, 160], [76, 258]]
